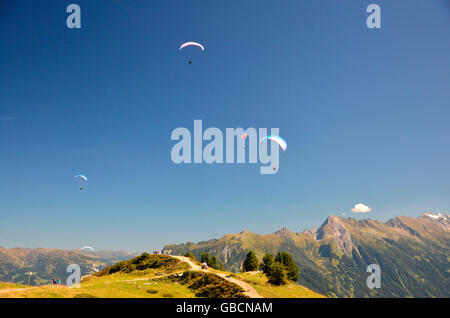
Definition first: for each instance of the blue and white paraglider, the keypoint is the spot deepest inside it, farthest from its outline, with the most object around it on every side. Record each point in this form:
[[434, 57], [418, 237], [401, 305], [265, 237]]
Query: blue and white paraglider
[[81, 180]]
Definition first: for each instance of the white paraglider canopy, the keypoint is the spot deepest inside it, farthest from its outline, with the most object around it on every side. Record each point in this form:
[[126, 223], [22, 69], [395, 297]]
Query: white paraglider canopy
[[280, 141], [191, 44], [81, 179]]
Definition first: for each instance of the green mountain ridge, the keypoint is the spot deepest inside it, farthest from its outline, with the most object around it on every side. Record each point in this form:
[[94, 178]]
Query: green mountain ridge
[[413, 254], [48, 263]]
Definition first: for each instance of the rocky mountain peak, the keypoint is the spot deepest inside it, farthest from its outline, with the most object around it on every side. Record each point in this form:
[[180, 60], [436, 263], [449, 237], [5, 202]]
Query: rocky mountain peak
[[330, 227], [442, 219], [312, 232], [284, 232], [334, 229], [434, 216]]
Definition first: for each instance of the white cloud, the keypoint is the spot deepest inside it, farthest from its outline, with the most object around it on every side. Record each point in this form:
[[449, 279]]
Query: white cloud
[[361, 208]]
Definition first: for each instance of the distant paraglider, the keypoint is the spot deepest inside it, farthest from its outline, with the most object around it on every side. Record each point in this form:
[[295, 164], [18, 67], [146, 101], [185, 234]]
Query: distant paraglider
[[81, 179], [87, 249], [280, 141], [243, 138], [182, 46]]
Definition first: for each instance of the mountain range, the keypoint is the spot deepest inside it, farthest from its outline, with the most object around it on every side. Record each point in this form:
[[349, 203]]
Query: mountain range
[[47, 263], [413, 254]]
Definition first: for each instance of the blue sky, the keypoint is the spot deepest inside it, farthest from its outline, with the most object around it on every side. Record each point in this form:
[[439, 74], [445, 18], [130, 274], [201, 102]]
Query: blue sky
[[365, 114]]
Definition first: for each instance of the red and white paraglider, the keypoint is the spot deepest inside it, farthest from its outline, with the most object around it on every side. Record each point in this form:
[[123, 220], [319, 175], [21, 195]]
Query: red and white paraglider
[[243, 137]]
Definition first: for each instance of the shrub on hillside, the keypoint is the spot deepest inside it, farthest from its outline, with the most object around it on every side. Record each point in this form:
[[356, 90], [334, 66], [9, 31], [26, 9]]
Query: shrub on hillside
[[251, 262], [220, 267], [211, 261], [205, 258], [266, 263], [210, 285], [285, 259], [191, 256], [277, 274], [144, 262]]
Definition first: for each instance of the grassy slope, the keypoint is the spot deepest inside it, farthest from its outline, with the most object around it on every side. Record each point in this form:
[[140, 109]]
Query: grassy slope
[[153, 283], [104, 288], [117, 285], [259, 282], [11, 285]]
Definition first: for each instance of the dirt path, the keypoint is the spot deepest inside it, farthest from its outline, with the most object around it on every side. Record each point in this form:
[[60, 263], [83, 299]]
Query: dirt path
[[249, 291], [189, 261]]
